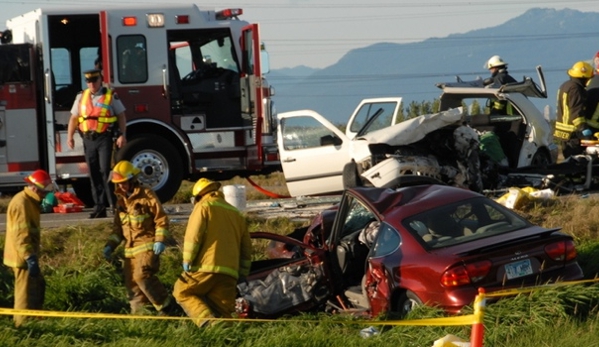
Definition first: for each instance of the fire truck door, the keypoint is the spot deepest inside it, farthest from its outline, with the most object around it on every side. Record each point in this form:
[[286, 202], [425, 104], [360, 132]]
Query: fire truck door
[[20, 126], [251, 87]]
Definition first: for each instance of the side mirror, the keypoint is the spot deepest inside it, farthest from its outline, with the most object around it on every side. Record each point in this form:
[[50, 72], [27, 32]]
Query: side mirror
[[328, 140], [6, 36]]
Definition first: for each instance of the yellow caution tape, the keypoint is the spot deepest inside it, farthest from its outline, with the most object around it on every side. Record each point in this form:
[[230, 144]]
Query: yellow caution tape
[[516, 291], [460, 320], [443, 321]]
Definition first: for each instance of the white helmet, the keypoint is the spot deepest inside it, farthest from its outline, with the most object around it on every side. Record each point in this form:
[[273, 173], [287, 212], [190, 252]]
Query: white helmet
[[494, 61]]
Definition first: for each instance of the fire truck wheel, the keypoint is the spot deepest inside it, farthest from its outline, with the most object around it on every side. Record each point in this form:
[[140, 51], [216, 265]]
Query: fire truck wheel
[[159, 162]]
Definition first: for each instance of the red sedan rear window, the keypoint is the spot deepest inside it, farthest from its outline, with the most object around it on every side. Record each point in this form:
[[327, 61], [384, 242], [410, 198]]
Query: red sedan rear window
[[462, 222]]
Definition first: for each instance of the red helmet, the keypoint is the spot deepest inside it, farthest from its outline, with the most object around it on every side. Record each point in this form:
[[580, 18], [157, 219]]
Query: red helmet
[[40, 179]]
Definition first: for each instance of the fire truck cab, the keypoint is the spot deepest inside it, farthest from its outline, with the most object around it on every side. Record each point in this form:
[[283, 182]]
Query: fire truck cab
[[191, 80]]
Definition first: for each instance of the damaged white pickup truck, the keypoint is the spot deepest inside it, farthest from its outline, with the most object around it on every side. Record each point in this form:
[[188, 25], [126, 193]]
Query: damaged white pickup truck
[[478, 132]]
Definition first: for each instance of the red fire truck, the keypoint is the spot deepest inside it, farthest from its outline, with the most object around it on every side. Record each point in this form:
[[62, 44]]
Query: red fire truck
[[190, 78]]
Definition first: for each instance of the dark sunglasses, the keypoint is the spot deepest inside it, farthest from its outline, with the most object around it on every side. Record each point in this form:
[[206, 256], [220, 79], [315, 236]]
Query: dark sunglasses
[[91, 79]]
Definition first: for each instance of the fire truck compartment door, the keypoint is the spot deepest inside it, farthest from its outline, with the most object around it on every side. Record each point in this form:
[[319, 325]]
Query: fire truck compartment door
[[251, 82]]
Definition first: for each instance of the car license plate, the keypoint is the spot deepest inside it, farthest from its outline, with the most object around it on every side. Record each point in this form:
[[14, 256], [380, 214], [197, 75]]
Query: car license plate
[[518, 269]]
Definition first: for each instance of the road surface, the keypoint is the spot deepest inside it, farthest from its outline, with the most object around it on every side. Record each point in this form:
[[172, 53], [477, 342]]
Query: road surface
[[304, 208]]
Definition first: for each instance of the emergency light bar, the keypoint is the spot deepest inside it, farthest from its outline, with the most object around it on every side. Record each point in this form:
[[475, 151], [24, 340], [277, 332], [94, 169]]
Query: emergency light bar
[[155, 20], [229, 13], [182, 19], [129, 21]]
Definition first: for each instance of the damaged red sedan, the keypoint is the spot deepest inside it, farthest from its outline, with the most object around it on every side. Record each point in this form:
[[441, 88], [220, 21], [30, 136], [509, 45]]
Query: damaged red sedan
[[384, 251]]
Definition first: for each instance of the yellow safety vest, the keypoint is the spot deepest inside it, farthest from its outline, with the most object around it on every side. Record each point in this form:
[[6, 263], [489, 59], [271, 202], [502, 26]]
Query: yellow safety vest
[[95, 116]]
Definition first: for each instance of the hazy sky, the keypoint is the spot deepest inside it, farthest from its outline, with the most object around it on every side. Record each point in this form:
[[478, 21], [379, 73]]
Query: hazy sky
[[317, 33]]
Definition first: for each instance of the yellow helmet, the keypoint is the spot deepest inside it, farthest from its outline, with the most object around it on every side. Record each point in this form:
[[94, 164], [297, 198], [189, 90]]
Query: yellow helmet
[[203, 186], [123, 171], [581, 69]]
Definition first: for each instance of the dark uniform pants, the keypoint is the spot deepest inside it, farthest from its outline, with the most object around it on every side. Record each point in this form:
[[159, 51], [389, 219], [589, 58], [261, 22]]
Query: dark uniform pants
[[143, 287], [98, 155], [571, 147], [29, 292]]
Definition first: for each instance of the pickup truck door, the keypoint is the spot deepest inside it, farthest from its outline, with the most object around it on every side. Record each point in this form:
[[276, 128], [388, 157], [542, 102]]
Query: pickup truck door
[[387, 111], [313, 153]]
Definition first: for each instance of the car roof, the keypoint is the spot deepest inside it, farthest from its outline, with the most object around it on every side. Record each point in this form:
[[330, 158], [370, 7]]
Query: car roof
[[526, 87], [406, 201]]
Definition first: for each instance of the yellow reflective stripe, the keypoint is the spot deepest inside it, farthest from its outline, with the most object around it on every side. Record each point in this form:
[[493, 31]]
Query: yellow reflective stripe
[[133, 251], [562, 135], [10, 262], [189, 249], [566, 110], [594, 121], [117, 239], [565, 127], [138, 218], [579, 121], [245, 267], [162, 232], [83, 110], [216, 269], [220, 204], [83, 103], [105, 107], [110, 119], [106, 104]]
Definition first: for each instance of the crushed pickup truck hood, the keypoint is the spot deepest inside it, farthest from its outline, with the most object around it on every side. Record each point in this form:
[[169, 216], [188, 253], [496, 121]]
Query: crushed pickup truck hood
[[414, 129]]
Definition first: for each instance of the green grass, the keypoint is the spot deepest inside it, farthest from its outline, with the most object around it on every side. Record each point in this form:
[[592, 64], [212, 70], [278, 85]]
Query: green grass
[[80, 280]]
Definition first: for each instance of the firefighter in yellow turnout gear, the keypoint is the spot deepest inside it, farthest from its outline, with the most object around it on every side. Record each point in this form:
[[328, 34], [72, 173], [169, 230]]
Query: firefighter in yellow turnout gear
[[139, 221], [22, 246], [572, 114], [216, 253]]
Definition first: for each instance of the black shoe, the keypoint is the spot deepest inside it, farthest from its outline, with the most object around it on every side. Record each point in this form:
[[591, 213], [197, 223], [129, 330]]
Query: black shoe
[[98, 214]]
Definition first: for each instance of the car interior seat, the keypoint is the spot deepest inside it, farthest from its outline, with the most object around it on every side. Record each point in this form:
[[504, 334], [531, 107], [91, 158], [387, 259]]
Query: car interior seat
[[443, 225], [422, 230]]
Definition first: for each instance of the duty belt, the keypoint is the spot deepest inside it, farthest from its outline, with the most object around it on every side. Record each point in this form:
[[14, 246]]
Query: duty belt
[[92, 135]]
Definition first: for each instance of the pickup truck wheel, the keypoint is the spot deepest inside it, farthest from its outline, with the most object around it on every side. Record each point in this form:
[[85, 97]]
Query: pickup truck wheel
[[351, 178], [159, 162]]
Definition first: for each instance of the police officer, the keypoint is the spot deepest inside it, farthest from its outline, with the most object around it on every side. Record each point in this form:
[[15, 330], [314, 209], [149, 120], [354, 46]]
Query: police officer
[[97, 113], [571, 125]]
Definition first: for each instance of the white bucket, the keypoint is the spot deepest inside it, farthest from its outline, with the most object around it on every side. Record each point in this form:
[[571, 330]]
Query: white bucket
[[235, 195]]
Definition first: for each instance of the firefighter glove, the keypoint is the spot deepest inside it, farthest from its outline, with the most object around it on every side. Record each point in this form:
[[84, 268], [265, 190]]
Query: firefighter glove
[[107, 252], [186, 267], [159, 247], [32, 265]]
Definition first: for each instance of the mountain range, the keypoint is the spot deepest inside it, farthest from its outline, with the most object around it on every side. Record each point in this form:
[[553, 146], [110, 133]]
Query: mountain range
[[554, 39]]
